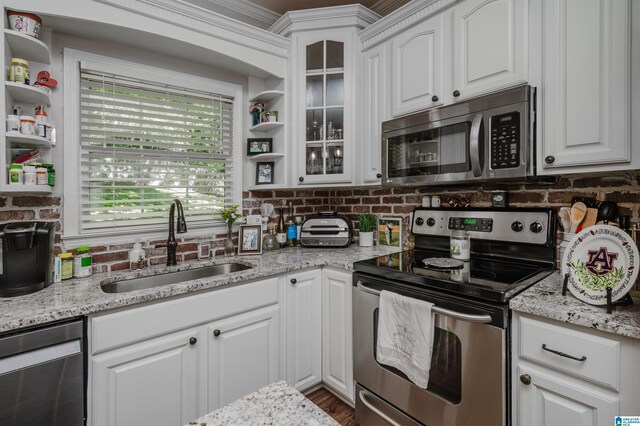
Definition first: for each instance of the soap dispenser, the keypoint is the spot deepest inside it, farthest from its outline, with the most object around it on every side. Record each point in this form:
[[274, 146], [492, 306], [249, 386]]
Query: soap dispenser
[[137, 257]]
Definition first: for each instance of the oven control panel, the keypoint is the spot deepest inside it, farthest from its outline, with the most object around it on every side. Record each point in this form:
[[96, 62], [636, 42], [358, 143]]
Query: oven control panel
[[532, 226], [479, 224]]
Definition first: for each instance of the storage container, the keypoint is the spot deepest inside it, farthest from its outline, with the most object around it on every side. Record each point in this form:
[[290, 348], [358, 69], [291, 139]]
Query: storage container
[[82, 262], [26, 23]]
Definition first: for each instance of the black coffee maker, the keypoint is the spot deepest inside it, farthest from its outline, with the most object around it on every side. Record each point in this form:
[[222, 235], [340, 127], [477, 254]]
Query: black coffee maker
[[27, 257]]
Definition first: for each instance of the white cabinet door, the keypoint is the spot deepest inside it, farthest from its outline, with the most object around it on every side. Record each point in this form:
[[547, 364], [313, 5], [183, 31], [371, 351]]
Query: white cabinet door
[[243, 353], [337, 344], [585, 84], [374, 98], [489, 46], [304, 326], [152, 382], [417, 67], [550, 400]]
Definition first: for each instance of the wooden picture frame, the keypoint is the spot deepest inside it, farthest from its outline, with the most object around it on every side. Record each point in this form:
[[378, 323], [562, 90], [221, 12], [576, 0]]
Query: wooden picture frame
[[249, 240], [390, 231], [257, 146], [264, 172]]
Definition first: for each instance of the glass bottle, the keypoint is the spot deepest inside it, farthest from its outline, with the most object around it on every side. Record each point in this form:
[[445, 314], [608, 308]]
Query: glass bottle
[[269, 242], [281, 233], [229, 249], [291, 228]]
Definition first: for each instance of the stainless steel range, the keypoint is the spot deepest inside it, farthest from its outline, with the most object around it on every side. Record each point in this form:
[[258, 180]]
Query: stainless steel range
[[511, 249]]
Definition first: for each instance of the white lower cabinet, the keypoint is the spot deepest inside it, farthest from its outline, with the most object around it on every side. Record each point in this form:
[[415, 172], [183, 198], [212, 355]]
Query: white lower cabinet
[[243, 355], [570, 375], [152, 382], [304, 353], [337, 341]]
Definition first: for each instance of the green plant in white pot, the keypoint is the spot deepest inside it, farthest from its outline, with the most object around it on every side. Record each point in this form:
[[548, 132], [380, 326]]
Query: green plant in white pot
[[366, 225]]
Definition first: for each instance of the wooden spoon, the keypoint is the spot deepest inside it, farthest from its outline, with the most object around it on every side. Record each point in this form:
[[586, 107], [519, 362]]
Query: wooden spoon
[[578, 210]]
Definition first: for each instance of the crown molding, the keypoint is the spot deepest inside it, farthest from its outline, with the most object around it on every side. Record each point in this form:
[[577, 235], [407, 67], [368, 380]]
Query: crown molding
[[242, 10], [408, 15], [353, 15], [385, 7], [203, 20]]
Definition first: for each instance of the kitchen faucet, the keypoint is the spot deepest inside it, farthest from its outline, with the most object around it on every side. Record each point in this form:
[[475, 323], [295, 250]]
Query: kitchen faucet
[[171, 244]]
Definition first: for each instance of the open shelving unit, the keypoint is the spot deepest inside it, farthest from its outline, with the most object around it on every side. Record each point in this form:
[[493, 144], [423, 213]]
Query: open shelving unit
[[37, 52], [267, 91]]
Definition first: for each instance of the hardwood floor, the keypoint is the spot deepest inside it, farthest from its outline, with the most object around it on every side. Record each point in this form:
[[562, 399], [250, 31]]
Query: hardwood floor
[[333, 406]]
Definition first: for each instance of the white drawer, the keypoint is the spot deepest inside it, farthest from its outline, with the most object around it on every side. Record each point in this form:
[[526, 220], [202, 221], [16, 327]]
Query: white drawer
[[113, 330], [602, 356]]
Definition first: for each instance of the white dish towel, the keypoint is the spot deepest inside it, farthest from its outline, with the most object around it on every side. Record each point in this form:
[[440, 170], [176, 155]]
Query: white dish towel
[[405, 335]]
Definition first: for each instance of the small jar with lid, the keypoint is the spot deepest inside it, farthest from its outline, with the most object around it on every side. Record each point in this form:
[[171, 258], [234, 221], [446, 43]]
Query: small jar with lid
[[27, 125], [460, 245], [15, 174], [51, 174], [66, 265], [30, 177], [13, 124], [42, 177], [82, 262], [19, 71]]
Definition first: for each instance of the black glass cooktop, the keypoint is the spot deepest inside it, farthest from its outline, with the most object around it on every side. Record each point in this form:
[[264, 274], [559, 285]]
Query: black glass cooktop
[[481, 277]]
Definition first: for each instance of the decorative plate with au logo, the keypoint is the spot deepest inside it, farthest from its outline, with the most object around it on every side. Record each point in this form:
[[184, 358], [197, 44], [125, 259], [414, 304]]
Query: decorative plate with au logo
[[600, 256]]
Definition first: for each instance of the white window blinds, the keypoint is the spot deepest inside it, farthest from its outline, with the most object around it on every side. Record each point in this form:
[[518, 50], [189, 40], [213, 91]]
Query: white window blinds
[[144, 144]]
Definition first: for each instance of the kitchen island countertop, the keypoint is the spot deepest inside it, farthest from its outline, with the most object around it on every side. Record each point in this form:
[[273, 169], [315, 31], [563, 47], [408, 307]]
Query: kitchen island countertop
[[545, 299], [275, 404], [78, 297]]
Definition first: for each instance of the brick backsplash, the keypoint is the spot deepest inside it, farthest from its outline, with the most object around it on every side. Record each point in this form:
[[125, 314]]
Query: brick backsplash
[[623, 188]]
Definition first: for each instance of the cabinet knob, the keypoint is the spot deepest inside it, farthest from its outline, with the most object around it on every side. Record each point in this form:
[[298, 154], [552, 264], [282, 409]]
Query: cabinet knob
[[216, 332], [549, 159], [456, 93], [379, 175], [434, 98], [525, 379], [193, 341], [293, 280], [301, 179]]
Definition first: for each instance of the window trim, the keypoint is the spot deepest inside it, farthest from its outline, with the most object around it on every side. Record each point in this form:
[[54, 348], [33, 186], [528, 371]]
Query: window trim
[[72, 62]]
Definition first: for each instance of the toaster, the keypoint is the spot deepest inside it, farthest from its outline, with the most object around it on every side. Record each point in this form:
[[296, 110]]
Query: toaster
[[327, 229]]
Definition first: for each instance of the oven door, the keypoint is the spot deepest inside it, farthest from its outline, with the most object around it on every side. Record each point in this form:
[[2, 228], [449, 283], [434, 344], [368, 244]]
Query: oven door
[[443, 151], [467, 383]]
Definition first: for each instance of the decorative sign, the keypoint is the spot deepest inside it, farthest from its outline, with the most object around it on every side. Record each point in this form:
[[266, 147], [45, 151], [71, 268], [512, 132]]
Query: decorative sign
[[601, 256]]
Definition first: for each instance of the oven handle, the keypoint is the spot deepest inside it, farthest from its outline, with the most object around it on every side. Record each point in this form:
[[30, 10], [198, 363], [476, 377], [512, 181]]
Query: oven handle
[[474, 150], [436, 309], [362, 395]]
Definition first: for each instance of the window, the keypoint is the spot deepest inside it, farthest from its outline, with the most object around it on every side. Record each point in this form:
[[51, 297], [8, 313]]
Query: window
[[141, 143]]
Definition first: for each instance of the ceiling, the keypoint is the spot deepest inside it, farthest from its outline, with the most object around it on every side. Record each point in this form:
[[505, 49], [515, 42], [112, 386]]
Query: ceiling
[[264, 13]]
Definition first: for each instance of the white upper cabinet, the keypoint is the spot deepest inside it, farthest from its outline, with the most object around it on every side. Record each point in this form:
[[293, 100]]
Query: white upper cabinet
[[417, 63], [488, 46], [586, 87], [374, 96]]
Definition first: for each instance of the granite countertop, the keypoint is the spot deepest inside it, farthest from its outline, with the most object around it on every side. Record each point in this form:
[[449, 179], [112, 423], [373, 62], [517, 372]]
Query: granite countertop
[[275, 404], [545, 299], [78, 297]]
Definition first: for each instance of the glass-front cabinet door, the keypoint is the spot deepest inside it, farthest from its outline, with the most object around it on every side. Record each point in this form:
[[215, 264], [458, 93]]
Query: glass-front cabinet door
[[324, 143]]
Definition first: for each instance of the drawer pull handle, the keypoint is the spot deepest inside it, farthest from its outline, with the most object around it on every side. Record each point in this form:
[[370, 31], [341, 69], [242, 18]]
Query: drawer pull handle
[[582, 358]]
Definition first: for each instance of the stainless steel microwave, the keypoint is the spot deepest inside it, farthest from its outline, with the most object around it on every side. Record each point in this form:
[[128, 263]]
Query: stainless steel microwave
[[487, 138]]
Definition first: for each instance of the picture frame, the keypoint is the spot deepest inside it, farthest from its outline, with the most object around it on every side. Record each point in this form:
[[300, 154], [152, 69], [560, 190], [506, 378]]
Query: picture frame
[[250, 240], [257, 146], [390, 231], [204, 250], [264, 172]]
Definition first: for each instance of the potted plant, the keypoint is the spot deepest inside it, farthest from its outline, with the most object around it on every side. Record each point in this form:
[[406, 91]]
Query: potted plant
[[366, 225]]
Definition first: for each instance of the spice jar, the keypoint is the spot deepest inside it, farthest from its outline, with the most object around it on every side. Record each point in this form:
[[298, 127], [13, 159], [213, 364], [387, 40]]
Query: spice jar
[[460, 245], [19, 71], [15, 174], [51, 174], [30, 177], [27, 125], [13, 123], [66, 267], [42, 177], [82, 262]]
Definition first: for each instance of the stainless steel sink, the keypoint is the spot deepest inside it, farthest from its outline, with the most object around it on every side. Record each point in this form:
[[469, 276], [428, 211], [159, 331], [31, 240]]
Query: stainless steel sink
[[124, 286]]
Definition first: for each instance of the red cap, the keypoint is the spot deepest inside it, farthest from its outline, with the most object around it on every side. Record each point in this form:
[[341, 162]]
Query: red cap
[[44, 79]]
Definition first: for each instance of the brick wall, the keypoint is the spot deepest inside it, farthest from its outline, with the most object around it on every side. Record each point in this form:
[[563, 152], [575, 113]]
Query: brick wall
[[623, 188]]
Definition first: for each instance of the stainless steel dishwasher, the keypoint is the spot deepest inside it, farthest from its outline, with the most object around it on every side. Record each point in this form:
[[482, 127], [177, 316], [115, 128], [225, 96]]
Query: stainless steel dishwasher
[[41, 376]]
